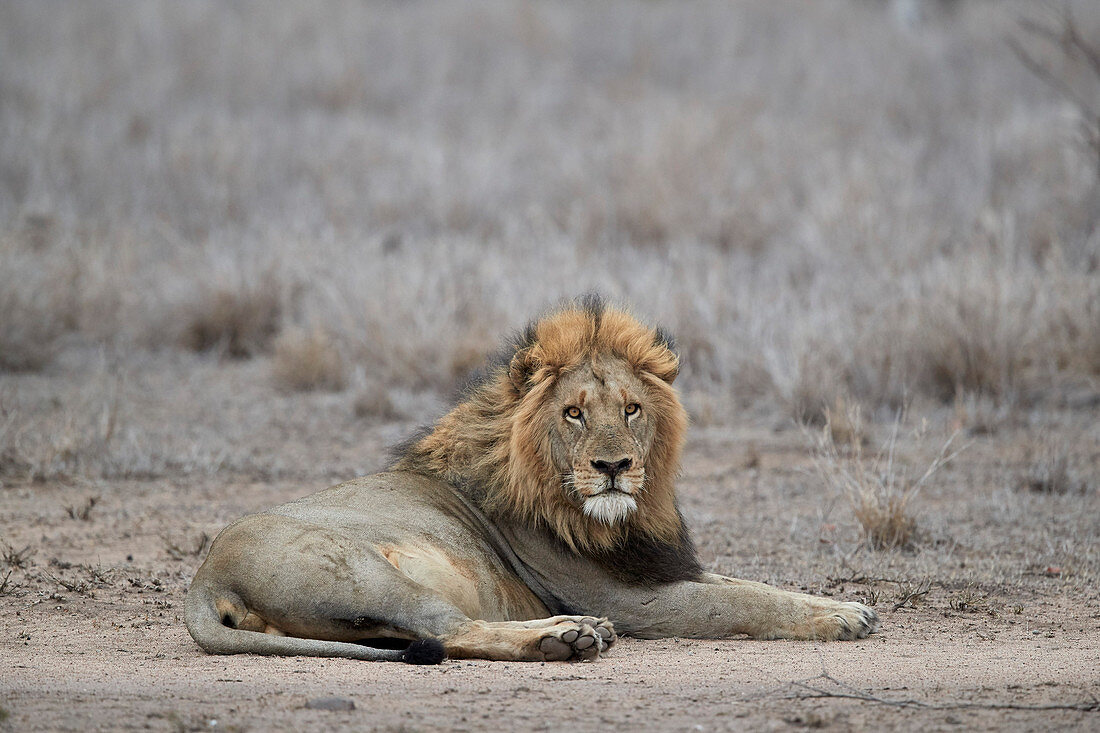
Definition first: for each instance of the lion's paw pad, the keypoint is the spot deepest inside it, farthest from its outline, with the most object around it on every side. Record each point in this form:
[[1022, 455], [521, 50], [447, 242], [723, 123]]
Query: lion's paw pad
[[582, 639], [604, 630]]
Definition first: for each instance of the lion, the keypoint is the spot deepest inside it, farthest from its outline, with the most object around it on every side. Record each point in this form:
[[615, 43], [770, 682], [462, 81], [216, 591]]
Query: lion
[[535, 521]]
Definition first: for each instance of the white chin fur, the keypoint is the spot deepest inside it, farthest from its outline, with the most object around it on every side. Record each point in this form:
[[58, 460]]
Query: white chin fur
[[609, 507]]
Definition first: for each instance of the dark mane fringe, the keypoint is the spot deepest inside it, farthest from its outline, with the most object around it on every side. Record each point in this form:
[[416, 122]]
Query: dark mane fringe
[[643, 560], [402, 448], [491, 370]]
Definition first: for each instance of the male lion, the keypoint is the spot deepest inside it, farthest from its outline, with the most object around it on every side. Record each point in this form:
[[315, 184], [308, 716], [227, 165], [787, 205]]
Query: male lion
[[533, 515]]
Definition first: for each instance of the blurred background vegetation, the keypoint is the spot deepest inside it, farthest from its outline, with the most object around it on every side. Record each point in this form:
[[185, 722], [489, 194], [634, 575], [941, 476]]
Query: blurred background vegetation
[[230, 229]]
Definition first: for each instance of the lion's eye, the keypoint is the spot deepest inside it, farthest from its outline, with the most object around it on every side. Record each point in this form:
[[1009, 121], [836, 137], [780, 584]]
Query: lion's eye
[[573, 413], [632, 409]]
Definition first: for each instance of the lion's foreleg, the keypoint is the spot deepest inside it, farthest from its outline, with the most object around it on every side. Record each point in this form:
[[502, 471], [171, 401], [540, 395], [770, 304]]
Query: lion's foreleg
[[719, 607]]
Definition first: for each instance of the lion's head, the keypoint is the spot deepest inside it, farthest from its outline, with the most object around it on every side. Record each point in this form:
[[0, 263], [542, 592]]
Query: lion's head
[[577, 429]]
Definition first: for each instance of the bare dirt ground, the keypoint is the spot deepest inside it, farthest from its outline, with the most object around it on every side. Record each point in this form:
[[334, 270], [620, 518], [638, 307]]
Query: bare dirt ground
[[991, 619]]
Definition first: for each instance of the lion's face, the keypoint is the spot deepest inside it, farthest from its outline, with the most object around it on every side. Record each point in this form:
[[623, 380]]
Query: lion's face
[[601, 437]]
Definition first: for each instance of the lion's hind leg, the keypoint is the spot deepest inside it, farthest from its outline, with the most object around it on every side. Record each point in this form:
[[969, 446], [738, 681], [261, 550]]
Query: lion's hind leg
[[555, 639]]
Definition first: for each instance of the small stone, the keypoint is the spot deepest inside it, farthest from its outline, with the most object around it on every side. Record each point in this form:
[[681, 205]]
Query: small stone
[[331, 703]]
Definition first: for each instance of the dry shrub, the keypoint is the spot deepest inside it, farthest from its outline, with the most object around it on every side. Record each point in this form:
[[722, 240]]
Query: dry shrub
[[978, 415], [816, 386], [307, 360], [1073, 328], [240, 319], [32, 313], [880, 489], [374, 401], [973, 345], [29, 330], [1012, 336], [1060, 50], [885, 517], [1052, 468]]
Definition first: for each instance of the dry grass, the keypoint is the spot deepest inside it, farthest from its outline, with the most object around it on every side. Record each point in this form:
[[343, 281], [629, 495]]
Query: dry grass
[[307, 360], [880, 489]]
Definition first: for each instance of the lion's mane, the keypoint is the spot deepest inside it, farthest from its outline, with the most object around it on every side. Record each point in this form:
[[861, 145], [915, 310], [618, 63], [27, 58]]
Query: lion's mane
[[494, 443]]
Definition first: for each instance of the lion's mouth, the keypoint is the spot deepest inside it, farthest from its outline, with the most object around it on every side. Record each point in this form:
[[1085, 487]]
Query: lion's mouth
[[610, 506]]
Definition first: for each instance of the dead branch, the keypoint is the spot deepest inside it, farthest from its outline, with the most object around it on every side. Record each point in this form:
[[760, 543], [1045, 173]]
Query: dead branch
[[1074, 48]]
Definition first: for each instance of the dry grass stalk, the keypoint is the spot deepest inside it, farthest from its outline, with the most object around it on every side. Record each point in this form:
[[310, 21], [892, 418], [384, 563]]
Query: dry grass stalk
[[971, 600], [844, 423], [14, 558], [308, 360], [909, 594], [880, 490], [82, 512], [180, 551]]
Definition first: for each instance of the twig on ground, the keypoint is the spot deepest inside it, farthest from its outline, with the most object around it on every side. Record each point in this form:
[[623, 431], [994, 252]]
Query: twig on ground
[[177, 552], [14, 558], [73, 586], [812, 688], [911, 594], [4, 582]]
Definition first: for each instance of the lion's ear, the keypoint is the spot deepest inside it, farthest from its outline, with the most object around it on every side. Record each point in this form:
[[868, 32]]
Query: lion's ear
[[669, 372], [667, 365], [520, 369]]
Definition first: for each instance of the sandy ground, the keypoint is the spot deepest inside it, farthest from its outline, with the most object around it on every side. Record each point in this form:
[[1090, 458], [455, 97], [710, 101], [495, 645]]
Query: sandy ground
[[91, 632]]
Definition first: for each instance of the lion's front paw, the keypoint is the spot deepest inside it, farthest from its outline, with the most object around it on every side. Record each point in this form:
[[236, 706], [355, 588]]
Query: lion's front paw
[[604, 629], [844, 621], [582, 639]]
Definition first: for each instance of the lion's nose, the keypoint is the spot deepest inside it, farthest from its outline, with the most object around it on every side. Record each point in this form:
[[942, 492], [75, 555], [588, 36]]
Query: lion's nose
[[612, 468]]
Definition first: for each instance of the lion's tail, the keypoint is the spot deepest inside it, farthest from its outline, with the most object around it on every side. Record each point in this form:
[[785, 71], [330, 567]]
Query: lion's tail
[[213, 635]]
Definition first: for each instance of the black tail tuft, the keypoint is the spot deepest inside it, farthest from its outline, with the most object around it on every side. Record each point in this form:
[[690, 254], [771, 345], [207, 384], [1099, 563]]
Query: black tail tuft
[[425, 651]]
